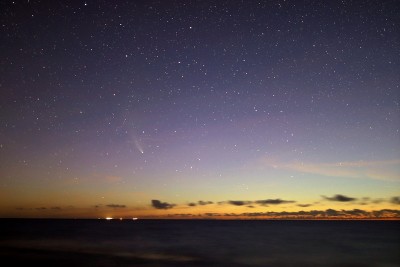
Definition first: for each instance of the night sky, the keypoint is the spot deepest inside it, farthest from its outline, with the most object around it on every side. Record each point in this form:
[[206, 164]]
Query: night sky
[[199, 109]]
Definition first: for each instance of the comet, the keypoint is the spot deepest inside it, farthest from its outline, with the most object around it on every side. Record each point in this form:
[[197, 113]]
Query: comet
[[138, 146]]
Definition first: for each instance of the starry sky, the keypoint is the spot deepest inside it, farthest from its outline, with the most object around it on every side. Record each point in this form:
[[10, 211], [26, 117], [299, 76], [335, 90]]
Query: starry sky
[[199, 109]]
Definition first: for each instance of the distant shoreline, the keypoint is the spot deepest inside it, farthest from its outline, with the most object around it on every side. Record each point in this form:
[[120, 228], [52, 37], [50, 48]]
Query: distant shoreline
[[211, 219]]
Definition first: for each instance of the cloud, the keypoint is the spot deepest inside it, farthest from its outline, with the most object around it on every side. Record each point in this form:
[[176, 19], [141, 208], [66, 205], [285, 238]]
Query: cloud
[[315, 214], [161, 205], [116, 206], [387, 213], [202, 203], [239, 202], [378, 200], [331, 212], [377, 170], [273, 201], [357, 212], [211, 214], [250, 203], [395, 200], [304, 205], [339, 198], [181, 215], [55, 208]]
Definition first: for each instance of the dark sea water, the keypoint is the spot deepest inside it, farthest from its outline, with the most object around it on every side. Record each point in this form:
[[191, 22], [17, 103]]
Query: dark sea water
[[199, 243]]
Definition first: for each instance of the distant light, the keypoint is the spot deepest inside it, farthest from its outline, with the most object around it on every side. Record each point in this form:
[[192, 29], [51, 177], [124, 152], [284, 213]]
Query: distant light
[[134, 219], [108, 218], [120, 219]]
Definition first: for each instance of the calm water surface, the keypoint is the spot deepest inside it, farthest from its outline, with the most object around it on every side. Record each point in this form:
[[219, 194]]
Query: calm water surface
[[200, 243]]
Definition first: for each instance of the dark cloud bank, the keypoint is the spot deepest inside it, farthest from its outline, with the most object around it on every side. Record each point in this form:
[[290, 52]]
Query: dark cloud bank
[[266, 202], [313, 214]]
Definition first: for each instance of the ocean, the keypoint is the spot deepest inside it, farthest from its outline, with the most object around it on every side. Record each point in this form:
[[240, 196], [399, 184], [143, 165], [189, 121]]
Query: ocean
[[199, 243]]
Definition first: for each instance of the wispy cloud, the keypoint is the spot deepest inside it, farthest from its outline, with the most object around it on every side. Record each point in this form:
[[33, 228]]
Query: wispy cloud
[[304, 205], [379, 170], [116, 206], [203, 203]]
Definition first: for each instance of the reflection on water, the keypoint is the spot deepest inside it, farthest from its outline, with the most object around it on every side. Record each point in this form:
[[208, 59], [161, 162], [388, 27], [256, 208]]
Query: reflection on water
[[200, 243]]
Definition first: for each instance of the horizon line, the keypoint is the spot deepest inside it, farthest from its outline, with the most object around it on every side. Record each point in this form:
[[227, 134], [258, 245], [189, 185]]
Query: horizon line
[[210, 219]]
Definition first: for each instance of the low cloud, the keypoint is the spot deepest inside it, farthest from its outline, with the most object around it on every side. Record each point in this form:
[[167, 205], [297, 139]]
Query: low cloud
[[115, 206], [357, 212], [395, 200], [202, 203], [339, 198], [53, 208], [212, 214], [161, 205], [386, 213], [378, 201], [314, 214], [332, 213], [273, 201], [239, 202], [181, 215], [250, 204], [304, 205]]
